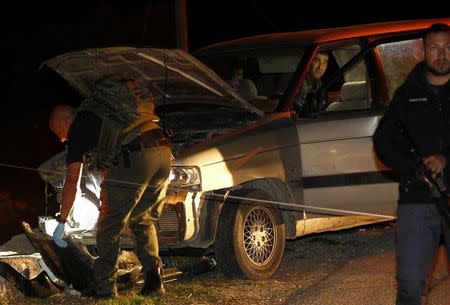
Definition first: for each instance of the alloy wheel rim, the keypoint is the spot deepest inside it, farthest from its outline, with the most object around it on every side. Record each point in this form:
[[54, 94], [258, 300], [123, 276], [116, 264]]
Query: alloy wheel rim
[[259, 235]]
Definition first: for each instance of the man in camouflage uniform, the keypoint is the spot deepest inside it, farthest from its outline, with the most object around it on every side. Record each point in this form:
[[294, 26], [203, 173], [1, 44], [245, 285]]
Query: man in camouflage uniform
[[135, 157]]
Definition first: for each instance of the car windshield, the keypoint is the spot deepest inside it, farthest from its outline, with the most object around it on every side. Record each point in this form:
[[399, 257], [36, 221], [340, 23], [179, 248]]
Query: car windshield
[[256, 74]]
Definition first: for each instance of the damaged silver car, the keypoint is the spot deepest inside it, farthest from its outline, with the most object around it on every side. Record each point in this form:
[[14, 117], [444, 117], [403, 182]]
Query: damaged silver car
[[251, 172]]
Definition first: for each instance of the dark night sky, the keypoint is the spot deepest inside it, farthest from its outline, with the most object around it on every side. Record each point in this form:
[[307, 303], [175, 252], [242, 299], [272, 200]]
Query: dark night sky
[[251, 17], [55, 26], [35, 31]]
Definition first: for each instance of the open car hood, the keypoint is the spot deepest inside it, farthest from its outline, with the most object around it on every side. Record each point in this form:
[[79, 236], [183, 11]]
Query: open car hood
[[174, 74]]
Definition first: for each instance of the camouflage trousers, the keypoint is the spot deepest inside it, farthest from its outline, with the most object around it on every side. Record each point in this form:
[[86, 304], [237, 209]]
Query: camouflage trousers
[[132, 194]]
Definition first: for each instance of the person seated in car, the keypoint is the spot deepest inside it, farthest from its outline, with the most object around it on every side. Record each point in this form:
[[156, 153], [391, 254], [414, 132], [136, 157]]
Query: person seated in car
[[236, 76], [313, 79]]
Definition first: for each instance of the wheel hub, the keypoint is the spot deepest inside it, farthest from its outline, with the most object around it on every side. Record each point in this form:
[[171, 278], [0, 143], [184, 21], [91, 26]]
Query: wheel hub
[[259, 236]]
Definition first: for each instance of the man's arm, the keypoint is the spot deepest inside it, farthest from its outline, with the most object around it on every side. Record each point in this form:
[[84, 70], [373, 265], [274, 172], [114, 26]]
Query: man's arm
[[388, 142], [70, 189]]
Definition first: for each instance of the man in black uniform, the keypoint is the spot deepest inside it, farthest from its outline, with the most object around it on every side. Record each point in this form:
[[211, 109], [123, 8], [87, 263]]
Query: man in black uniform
[[422, 104], [143, 163]]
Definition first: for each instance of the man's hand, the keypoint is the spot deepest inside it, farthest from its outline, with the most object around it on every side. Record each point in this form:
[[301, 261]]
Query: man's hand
[[435, 163], [57, 236]]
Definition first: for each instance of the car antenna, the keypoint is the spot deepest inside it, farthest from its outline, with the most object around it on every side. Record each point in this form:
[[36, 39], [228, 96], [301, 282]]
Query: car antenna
[[164, 99]]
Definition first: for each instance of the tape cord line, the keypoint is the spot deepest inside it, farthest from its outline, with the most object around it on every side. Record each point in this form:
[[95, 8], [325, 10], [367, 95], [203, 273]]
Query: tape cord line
[[281, 205]]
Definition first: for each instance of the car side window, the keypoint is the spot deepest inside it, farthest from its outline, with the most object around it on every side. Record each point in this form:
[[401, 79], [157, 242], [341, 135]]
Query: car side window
[[348, 90], [397, 59]]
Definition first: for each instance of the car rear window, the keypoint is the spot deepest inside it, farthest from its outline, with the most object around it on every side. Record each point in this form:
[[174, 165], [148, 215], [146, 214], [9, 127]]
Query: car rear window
[[398, 58]]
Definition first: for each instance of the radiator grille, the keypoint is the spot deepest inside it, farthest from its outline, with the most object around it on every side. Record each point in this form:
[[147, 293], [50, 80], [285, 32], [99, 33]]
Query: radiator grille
[[168, 222]]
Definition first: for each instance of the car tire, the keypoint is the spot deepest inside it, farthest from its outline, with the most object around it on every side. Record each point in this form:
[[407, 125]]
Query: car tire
[[250, 238]]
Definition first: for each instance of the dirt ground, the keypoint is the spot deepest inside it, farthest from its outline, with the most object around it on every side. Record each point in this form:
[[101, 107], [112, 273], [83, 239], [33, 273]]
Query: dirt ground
[[307, 262]]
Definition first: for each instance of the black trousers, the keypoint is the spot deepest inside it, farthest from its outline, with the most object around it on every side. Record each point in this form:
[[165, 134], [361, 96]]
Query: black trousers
[[419, 227]]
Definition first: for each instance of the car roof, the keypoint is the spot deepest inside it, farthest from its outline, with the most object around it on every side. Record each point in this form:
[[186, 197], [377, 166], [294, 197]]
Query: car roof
[[316, 36]]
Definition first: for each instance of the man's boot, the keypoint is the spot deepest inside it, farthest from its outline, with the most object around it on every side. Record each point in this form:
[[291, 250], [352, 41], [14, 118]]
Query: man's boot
[[153, 285]]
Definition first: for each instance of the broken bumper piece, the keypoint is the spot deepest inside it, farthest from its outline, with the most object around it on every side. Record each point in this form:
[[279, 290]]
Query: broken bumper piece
[[54, 269]]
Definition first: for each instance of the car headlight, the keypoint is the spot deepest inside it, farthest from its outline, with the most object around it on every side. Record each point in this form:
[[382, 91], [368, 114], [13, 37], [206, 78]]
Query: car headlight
[[184, 176]]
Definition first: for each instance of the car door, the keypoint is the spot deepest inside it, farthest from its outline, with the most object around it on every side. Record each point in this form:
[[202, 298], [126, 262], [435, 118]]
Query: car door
[[339, 167]]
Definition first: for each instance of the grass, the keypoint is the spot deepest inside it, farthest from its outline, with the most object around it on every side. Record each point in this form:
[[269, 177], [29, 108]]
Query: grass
[[10, 295], [191, 292], [66, 300]]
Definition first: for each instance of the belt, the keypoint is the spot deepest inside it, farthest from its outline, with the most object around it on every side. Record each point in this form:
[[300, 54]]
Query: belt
[[151, 138]]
